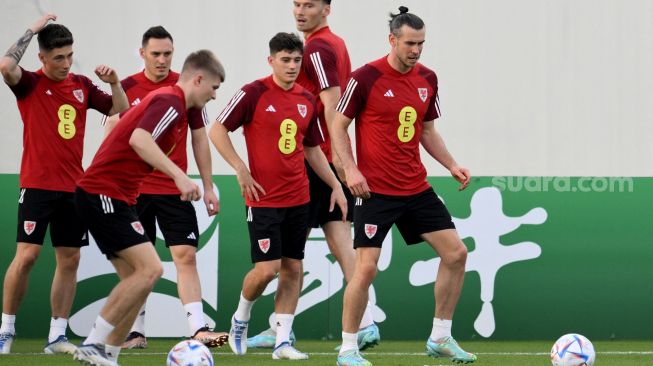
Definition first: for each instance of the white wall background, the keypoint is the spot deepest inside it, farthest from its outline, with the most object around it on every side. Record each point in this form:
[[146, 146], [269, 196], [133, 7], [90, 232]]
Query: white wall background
[[527, 87]]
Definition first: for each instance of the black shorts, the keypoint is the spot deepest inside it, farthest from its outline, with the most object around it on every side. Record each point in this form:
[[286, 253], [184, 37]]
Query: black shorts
[[113, 223], [176, 218], [277, 232], [38, 208], [318, 213], [414, 215]]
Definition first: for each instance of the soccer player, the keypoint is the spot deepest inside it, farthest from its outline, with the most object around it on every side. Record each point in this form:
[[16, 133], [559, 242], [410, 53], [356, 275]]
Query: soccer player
[[395, 102], [324, 74], [53, 103], [107, 192], [280, 125], [159, 198]]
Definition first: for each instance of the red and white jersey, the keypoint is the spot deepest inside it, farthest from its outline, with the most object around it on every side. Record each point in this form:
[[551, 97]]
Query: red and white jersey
[[389, 108], [277, 125], [325, 65], [54, 119], [117, 171], [136, 87]]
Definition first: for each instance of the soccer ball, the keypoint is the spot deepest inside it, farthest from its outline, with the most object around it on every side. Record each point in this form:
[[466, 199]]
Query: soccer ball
[[572, 350], [189, 353]]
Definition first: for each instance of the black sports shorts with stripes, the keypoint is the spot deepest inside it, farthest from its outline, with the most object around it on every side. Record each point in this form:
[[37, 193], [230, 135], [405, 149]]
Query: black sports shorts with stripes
[[414, 215], [177, 219], [277, 232], [40, 208], [113, 223]]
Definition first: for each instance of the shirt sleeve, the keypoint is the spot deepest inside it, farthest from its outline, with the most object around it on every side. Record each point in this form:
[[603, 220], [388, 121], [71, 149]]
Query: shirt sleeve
[[197, 118], [162, 113], [240, 109], [97, 98], [433, 111], [313, 136], [25, 85], [353, 99], [321, 64]]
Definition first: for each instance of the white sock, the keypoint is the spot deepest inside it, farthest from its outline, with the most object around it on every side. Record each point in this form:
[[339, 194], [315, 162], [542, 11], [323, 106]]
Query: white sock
[[195, 315], [8, 323], [99, 332], [368, 319], [441, 328], [112, 352], [139, 323], [284, 326], [349, 342], [57, 328], [244, 309], [273, 322]]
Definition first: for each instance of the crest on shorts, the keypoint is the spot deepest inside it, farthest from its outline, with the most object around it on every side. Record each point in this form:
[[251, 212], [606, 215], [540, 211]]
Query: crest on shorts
[[264, 245], [370, 230], [29, 227], [302, 109], [423, 93], [79, 95], [138, 227]]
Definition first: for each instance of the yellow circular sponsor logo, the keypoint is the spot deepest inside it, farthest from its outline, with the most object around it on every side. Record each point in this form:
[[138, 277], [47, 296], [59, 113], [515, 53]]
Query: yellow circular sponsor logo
[[407, 118], [66, 127], [287, 142]]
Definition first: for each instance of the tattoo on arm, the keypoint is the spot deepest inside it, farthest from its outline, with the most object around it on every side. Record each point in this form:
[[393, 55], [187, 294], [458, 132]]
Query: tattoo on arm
[[18, 49]]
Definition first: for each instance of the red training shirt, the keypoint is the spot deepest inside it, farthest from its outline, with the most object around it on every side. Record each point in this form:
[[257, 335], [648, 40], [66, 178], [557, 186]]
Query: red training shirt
[[117, 171], [54, 119], [277, 124], [325, 65], [136, 87], [390, 108]]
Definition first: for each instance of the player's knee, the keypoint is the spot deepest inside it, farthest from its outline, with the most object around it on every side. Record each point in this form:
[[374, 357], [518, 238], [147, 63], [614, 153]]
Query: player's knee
[[456, 257], [69, 263], [151, 274], [366, 271], [25, 260], [185, 258]]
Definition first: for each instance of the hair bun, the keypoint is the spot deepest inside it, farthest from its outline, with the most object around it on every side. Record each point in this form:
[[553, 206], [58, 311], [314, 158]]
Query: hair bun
[[403, 10]]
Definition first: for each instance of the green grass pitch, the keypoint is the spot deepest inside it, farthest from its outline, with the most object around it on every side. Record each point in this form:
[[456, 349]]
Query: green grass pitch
[[28, 352]]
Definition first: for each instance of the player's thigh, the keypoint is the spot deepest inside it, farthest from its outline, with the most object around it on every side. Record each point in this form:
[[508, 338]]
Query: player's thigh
[[264, 226], [177, 220], [146, 209], [67, 229], [373, 219], [425, 213], [35, 208], [113, 223], [293, 232]]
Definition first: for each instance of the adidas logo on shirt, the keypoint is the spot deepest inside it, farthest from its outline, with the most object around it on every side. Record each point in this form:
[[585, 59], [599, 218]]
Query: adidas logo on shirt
[[270, 108], [48, 92], [389, 94], [191, 236], [136, 101]]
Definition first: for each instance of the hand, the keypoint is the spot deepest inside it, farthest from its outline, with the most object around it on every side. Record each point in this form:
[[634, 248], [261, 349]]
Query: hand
[[189, 190], [249, 188], [211, 202], [107, 74], [357, 183], [462, 175], [338, 198], [42, 22]]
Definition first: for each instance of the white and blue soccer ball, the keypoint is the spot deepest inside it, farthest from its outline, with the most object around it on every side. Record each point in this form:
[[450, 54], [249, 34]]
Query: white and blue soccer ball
[[189, 353], [572, 350]]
